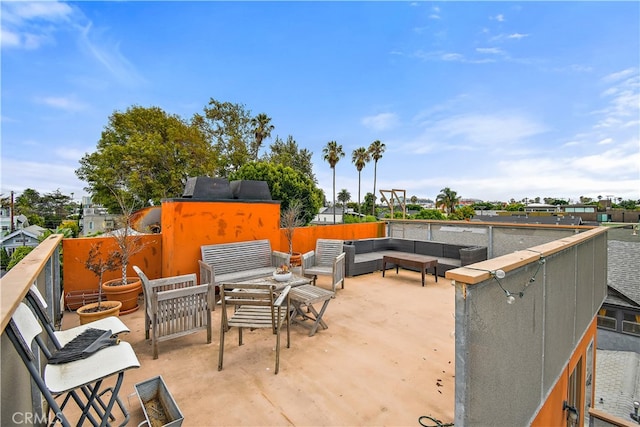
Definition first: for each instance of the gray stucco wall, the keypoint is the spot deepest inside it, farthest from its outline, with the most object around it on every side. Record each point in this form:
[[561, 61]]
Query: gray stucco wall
[[510, 356]]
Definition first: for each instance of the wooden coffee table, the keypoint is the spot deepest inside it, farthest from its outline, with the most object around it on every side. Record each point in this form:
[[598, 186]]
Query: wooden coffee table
[[423, 262]]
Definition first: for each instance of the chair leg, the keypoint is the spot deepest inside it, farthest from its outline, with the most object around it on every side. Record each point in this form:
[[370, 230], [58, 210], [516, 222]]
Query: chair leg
[[277, 351], [221, 350]]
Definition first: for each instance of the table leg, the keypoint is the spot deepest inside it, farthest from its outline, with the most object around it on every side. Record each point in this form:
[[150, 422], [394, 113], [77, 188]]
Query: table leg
[[435, 272], [423, 270], [318, 316], [384, 267]]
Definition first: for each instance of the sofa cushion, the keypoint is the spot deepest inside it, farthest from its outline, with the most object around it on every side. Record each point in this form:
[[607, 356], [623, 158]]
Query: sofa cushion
[[381, 244], [402, 245], [429, 248], [363, 246]]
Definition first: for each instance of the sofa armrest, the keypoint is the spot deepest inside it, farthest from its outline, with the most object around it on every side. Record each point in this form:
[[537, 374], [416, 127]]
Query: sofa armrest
[[308, 260], [350, 257], [472, 255]]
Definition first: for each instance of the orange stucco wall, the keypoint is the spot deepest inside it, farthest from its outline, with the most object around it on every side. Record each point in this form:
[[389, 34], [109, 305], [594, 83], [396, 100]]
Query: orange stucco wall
[[189, 224], [304, 238], [551, 413], [74, 253]]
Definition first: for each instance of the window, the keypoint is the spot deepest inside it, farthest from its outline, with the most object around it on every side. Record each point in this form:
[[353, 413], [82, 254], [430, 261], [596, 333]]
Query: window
[[631, 323], [575, 390], [607, 319]]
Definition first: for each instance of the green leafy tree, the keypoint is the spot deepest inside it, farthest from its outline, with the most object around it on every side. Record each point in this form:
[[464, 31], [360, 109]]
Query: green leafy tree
[[4, 258], [18, 255], [368, 205], [262, 128], [360, 157], [287, 153], [429, 214], [628, 204], [514, 207], [465, 212], [332, 153], [286, 185], [229, 128], [148, 154], [447, 199], [344, 196], [376, 149]]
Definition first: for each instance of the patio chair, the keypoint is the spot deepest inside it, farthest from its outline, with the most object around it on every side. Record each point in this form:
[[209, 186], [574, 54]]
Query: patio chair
[[255, 306], [60, 338], [175, 306], [70, 378], [327, 260]]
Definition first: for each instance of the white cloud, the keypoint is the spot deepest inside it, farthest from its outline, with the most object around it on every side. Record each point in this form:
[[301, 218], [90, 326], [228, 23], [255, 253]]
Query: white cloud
[[517, 36], [63, 103], [606, 141], [382, 121], [29, 25], [499, 17], [490, 50]]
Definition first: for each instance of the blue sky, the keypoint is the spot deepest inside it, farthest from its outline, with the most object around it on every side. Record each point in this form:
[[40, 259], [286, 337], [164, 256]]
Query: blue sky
[[496, 100]]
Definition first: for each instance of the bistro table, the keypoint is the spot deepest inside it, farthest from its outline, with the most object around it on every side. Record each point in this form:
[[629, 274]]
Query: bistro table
[[306, 296], [423, 262]]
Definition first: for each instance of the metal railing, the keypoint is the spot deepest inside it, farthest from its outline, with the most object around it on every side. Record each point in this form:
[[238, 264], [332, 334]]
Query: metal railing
[[21, 400]]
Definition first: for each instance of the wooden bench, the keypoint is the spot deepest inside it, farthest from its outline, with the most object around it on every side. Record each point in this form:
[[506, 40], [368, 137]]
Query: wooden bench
[[235, 262]]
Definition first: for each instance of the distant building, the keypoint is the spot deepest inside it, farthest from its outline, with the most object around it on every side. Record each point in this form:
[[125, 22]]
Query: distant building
[[95, 218], [22, 237], [325, 216], [619, 317]]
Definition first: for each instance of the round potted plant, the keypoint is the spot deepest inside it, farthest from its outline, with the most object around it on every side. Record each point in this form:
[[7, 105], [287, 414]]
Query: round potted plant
[[97, 264]]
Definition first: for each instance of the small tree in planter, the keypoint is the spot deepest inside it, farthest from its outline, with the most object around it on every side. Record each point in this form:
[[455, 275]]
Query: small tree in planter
[[290, 218], [99, 265], [128, 243]]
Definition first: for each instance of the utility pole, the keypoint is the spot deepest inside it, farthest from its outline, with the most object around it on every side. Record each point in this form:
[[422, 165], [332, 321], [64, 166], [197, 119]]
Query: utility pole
[[13, 228]]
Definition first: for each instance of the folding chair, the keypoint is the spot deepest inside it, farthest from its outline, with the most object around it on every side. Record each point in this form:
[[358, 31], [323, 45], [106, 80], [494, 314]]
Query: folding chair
[[67, 379], [60, 338]]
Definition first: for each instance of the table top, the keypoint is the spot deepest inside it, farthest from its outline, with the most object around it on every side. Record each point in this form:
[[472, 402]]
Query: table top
[[310, 294], [294, 282], [411, 257]]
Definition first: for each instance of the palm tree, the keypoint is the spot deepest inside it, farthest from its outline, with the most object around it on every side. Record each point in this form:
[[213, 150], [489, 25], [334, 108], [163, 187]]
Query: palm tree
[[332, 153], [448, 199], [261, 130], [344, 196], [375, 150], [360, 157]]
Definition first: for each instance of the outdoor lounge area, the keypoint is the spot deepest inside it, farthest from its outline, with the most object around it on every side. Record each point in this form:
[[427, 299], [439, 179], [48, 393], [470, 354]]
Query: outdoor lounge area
[[387, 358], [389, 354]]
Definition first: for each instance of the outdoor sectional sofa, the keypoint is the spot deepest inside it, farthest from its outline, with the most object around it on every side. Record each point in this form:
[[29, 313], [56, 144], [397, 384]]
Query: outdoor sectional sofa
[[365, 255]]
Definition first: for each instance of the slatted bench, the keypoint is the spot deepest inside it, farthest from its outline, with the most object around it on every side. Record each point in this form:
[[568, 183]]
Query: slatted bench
[[238, 261]]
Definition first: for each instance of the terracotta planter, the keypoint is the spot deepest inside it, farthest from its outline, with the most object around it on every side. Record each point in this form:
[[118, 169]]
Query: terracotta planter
[[126, 294], [107, 308], [296, 259]]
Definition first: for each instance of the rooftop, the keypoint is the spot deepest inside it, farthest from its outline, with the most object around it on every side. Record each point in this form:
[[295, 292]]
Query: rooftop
[[387, 358]]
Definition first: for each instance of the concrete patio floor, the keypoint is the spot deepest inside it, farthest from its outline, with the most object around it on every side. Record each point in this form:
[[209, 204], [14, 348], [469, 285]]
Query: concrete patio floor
[[387, 358]]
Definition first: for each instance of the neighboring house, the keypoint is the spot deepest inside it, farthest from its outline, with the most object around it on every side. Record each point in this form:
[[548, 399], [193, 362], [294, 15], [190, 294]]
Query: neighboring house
[[619, 317], [22, 237], [540, 207], [95, 219], [19, 221], [325, 216]]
